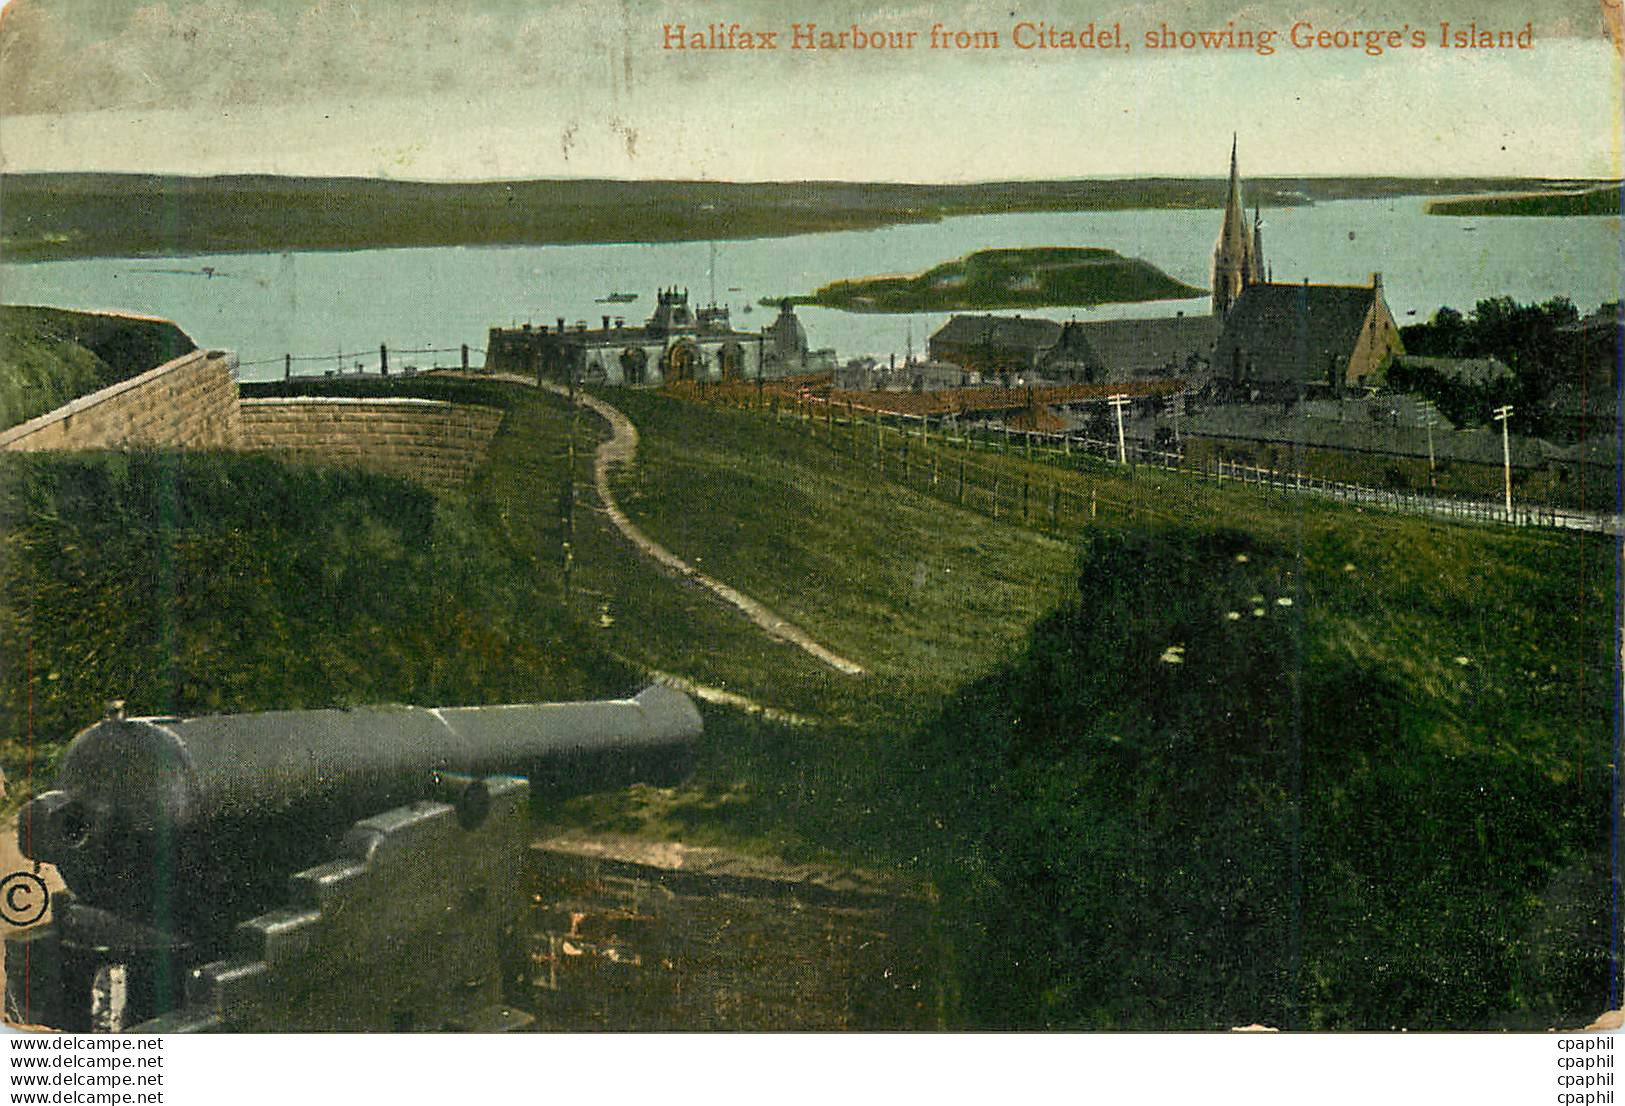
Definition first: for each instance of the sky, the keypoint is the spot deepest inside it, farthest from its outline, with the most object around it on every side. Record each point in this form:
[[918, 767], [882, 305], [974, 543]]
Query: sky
[[506, 89]]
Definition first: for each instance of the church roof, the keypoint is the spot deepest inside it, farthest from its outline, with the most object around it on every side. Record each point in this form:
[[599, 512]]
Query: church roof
[[1131, 348], [1292, 332], [999, 332]]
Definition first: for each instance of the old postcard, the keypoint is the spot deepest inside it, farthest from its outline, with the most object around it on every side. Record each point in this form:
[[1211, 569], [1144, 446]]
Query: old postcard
[[936, 516]]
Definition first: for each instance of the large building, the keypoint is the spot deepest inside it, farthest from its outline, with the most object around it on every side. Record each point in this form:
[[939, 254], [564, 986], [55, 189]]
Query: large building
[[1286, 342], [1001, 348], [1263, 342], [1117, 351], [676, 343]]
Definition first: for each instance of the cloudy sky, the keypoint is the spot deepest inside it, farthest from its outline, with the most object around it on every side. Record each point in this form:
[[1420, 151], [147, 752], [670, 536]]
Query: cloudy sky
[[485, 89]]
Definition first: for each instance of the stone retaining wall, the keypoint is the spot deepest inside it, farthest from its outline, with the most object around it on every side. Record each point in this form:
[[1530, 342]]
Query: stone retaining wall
[[187, 403], [435, 443], [630, 935]]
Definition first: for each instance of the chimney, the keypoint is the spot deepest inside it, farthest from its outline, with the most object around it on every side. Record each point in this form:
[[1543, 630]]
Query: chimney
[[561, 324], [1376, 282]]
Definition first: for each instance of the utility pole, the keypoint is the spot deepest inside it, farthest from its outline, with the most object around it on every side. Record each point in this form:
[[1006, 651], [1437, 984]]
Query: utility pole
[[1173, 410], [1119, 402], [1503, 415], [1430, 417], [569, 496]]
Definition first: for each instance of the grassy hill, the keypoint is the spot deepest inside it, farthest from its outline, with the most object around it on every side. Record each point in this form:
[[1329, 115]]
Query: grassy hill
[[200, 582], [1383, 804], [1054, 276], [49, 356]]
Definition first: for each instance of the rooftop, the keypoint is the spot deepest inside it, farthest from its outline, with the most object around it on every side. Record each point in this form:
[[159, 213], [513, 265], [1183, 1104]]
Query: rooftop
[[1292, 332]]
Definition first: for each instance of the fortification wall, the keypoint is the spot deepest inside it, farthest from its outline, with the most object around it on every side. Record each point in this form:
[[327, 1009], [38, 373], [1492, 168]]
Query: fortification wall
[[435, 443], [187, 403], [637, 936]]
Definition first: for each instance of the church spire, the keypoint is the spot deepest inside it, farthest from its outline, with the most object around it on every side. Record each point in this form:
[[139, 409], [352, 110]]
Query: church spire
[[1234, 263]]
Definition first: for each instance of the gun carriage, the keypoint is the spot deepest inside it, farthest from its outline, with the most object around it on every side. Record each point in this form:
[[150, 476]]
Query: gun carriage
[[308, 870]]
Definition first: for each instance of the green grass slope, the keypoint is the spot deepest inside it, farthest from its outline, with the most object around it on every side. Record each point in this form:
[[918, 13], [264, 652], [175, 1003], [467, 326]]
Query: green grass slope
[[49, 356], [200, 583], [1382, 803], [1054, 276]]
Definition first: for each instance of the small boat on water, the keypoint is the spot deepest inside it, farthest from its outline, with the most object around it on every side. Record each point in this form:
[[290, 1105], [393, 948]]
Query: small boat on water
[[618, 297]]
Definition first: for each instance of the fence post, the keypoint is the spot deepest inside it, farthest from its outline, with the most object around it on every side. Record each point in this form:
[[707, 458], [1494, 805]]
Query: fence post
[[383, 359], [287, 366], [465, 357], [1026, 489]]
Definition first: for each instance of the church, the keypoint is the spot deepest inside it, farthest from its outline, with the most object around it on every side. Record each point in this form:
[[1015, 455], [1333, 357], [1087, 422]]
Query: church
[[1287, 342], [1260, 342]]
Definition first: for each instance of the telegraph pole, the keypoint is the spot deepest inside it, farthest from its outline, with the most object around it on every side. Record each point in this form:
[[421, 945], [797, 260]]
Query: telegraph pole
[[568, 503], [1430, 417], [1503, 415], [1119, 402]]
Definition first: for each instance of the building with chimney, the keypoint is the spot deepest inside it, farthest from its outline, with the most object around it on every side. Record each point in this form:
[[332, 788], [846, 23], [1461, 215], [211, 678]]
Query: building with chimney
[[676, 343]]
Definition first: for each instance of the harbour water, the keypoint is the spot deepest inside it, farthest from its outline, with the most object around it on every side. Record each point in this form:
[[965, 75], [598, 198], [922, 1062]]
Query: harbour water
[[340, 306]]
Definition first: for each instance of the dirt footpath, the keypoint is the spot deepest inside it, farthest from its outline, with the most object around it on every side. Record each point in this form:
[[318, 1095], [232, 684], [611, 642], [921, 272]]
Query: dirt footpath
[[620, 449]]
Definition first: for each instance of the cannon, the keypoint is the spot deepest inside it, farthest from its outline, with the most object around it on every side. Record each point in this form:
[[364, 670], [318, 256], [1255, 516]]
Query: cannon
[[308, 870]]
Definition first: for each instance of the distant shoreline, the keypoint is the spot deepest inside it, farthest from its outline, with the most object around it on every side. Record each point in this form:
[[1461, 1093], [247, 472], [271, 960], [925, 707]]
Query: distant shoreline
[[1604, 200], [61, 216]]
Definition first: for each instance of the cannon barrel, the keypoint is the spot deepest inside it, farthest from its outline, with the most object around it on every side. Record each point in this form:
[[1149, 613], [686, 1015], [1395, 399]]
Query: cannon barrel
[[184, 820]]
